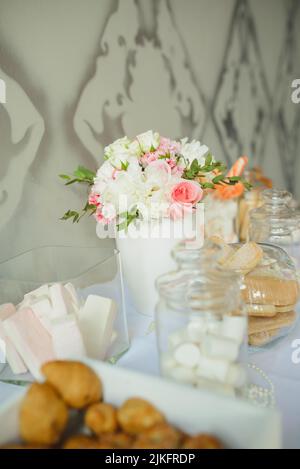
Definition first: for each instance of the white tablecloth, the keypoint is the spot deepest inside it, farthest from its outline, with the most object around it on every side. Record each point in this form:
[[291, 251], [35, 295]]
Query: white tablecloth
[[276, 362]]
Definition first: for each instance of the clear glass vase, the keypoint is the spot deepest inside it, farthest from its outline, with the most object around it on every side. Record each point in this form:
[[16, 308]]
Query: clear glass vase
[[91, 270]]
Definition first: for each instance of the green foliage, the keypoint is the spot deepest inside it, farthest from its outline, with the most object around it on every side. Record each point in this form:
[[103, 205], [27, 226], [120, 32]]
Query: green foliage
[[80, 175], [76, 216]]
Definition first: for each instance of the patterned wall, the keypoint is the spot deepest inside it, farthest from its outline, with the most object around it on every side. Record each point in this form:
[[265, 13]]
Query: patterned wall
[[82, 73]]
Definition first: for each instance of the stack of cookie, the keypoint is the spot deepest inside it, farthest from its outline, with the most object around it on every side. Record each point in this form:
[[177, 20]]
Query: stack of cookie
[[271, 305], [269, 292]]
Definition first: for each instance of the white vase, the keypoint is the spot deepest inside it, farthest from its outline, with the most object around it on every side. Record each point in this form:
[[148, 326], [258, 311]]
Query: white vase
[[146, 254]]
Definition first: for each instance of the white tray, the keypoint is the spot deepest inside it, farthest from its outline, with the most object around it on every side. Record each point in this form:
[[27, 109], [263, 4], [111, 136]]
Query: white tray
[[236, 422]]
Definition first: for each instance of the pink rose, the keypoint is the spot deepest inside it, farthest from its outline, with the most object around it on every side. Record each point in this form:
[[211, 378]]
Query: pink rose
[[94, 198], [187, 192]]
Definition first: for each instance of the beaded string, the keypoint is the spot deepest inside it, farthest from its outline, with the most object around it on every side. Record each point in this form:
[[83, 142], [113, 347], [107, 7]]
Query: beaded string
[[260, 395]]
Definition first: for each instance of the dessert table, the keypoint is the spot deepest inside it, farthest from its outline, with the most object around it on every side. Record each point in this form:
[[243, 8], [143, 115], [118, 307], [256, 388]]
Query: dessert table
[[275, 362]]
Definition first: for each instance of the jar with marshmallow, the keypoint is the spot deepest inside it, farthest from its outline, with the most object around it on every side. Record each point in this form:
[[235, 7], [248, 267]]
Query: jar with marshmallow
[[201, 324]]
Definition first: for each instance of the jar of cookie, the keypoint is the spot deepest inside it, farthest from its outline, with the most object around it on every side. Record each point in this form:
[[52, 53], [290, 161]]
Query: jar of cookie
[[270, 289], [201, 324]]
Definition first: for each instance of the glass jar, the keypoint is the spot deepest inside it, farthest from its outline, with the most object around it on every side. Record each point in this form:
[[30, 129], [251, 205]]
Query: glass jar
[[270, 290], [201, 325], [276, 223]]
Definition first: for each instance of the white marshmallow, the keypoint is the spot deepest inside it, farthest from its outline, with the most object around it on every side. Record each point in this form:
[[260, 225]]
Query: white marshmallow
[[59, 300], [187, 354], [234, 327], [236, 375], [43, 310], [66, 338], [183, 374], [196, 330], [220, 347], [177, 338], [31, 340], [96, 320], [213, 369], [74, 300], [43, 290], [199, 326]]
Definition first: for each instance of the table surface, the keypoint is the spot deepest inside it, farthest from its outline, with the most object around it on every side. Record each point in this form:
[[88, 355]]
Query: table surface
[[276, 362]]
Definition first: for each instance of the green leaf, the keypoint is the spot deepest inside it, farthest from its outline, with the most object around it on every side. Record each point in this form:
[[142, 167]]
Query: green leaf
[[72, 181], [195, 166], [218, 178], [208, 159], [234, 178], [84, 173], [124, 166], [64, 176], [70, 214], [207, 185]]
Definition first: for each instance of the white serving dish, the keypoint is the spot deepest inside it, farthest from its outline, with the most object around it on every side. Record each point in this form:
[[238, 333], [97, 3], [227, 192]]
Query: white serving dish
[[236, 422]]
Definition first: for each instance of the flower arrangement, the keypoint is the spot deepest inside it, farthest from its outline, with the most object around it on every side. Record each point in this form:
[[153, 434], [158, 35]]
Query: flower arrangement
[[150, 177]]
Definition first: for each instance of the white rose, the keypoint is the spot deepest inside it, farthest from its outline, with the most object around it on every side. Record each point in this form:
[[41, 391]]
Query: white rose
[[194, 150], [148, 140], [105, 172], [120, 151]]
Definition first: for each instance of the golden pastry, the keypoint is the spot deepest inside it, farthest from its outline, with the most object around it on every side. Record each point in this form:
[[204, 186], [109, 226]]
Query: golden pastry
[[117, 440], [78, 385], [43, 415], [137, 415], [161, 436], [84, 442], [202, 441], [101, 418]]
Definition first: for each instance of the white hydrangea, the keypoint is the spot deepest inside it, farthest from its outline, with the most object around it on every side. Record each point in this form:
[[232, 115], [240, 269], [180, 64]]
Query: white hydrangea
[[194, 150], [120, 151], [148, 140]]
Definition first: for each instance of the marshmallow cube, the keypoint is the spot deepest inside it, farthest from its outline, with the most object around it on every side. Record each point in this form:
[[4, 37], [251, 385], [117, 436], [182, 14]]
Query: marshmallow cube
[[43, 290], [59, 300], [234, 327], [236, 375], [31, 340], [96, 320], [196, 329], [220, 347], [177, 338], [199, 326], [42, 309], [66, 338], [187, 354], [214, 369], [74, 301]]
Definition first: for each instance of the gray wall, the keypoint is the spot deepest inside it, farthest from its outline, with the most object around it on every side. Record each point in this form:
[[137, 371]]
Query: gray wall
[[81, 73]]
